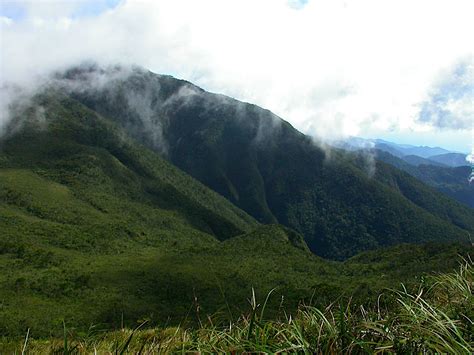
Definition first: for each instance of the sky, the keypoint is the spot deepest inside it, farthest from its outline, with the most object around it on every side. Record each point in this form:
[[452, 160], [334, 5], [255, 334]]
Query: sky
[[392, 69]]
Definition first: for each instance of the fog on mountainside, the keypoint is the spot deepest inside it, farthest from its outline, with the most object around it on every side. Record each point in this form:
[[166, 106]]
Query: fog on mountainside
[[342, 203]]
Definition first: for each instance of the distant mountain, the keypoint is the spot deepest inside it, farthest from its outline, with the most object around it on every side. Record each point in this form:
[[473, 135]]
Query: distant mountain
[[447, 172], [453, 182], [270, 170], [398, 150], [389, 148], [423, 151], [450, 159], [417, 160], [407, 149]]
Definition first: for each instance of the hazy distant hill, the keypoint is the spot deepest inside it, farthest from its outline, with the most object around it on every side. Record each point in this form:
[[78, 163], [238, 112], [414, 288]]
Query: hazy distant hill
[[398, 150], [417, 160], [450, 159], [415, 155], [423, 151], [452, 181]]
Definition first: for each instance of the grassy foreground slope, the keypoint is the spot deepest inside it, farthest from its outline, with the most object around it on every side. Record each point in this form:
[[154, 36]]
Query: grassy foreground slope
[[98, 230], [436, 318]]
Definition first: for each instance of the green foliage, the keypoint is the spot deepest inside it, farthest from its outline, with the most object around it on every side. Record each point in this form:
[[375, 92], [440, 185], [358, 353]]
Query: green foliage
[[452, 181], [97, 229], [424, 321], [276, 174]]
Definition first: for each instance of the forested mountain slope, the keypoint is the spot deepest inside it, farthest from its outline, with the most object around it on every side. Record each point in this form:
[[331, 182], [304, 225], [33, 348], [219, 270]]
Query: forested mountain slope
[[267, 168], [96, 229]]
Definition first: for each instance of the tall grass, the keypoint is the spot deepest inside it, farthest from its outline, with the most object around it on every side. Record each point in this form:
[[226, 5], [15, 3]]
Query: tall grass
[[435, 318]]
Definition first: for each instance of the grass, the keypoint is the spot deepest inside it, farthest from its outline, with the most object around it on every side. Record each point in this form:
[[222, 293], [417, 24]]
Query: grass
[[435, 318]]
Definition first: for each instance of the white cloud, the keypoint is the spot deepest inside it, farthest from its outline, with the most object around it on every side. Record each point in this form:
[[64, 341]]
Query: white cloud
[[331, 67], [451, 99]]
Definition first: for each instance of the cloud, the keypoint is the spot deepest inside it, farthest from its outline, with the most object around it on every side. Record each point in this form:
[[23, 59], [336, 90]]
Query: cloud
[[451, 99], [330, 67], [470, 158], [297, 4]]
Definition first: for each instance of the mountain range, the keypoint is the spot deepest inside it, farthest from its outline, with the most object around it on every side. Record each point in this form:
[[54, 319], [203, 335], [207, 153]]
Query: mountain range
[[414, 155], [128, 194], [448, 172], [451, 181], [342, 203]]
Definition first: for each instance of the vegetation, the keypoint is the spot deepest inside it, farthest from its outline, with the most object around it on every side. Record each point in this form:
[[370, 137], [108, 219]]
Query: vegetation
[[277, 175], [99, 232], [452, 181], [97, 229], [434, 318]]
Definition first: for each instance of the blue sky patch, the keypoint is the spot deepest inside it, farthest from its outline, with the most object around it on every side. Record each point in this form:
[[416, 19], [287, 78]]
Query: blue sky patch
[[17, 11], [94, 8], [12, 10]]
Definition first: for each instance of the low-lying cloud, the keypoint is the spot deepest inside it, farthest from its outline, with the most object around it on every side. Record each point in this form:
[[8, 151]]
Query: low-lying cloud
[[331, 67]]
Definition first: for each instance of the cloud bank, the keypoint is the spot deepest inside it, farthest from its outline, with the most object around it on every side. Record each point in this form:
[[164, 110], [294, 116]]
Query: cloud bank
[[451, 100], [330, 67]]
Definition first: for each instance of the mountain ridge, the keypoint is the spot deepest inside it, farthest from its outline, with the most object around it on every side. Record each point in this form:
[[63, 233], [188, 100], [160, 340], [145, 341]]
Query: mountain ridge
[[396, 149], [452, 181], [262, 164]]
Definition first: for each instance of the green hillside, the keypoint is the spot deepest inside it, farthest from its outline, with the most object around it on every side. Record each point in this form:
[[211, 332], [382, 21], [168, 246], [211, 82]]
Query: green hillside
[[78, 199], [98, 230], [267, 168]]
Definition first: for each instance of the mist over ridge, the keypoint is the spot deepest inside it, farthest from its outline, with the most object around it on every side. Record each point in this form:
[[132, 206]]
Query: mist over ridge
[[324, 90], [260, 162]]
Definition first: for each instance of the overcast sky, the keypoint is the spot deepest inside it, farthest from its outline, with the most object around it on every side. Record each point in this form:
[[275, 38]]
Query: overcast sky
[[399, 70]]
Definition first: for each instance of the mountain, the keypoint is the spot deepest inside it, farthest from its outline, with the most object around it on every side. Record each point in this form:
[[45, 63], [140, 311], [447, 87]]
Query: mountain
[[398, 150], [408, 149], [448, 173], [264, 166], [99, 230], [423, 151], [415, 155], [95, 227], [417, 161], [453, 182], [450, 159], [93, 148]]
